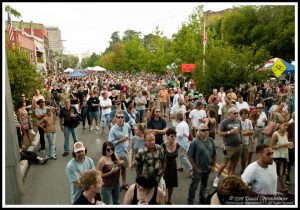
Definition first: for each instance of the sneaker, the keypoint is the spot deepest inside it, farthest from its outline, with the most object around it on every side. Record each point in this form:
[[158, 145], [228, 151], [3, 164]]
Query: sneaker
[[216, 182], [53, 158], [44, 160], [32, 132], [65, 154], [287, 183], [91, 128], [97, 128]]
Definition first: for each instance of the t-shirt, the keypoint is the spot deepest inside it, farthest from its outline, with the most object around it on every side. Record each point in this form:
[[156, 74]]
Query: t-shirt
[[83, 201], [74, 171], [261, 180], [195, 115], [141, 99], [202, 153], [246, 126], [137, 143], [159, 125], [106, 102], [92, 102], [233, 139]]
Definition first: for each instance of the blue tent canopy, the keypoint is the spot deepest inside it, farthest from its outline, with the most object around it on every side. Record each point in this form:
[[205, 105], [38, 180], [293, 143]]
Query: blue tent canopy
[[77, 74], [290, 68]]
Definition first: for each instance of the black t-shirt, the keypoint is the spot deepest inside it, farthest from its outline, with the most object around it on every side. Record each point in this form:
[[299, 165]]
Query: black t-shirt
[[81, 200], [66, 115], [91, 101], [81, 94], [73, 100], [159, 125], [56, 94]]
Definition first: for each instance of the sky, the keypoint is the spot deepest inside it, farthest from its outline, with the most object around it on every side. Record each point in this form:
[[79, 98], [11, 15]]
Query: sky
[[87, 27]]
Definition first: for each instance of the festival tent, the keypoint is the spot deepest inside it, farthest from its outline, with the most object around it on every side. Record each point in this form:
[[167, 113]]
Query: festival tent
[[77, 74], [69, 70], [98, 68], [290, 68], [88, 68]]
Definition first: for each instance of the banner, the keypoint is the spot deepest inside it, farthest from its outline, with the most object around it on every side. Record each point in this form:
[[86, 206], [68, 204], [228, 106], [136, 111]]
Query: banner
[[187, 67]]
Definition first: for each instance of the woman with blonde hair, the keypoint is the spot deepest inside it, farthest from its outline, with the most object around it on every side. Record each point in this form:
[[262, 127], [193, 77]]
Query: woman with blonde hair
[[137, 142], [281, 145]]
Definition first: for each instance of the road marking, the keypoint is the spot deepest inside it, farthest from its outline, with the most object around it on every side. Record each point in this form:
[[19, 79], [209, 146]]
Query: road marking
[[224, 173]]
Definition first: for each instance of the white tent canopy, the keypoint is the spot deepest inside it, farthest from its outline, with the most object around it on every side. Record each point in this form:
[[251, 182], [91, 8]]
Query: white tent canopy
[[88, 68], [69, 70], [95, 68]]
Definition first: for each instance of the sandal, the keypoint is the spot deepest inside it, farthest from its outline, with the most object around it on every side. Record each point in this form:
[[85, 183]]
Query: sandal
[[125, 187]]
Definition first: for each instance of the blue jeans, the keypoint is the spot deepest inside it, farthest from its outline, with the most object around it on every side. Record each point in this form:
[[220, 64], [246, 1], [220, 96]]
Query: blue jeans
[[194, 185], [108, 192], [141, 114], [51, 141], [67, 132]]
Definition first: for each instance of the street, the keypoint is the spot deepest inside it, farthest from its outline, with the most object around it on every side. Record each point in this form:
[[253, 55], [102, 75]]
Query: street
[[48, 184]]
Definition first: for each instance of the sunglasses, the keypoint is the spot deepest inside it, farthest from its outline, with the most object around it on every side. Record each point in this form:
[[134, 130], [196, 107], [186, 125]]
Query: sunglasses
[[204, 130], [235, 113], [110, 149], [157, 111], [120, 117]]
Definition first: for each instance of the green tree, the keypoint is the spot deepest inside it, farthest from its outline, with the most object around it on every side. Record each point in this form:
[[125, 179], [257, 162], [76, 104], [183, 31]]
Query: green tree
[[22, 74]]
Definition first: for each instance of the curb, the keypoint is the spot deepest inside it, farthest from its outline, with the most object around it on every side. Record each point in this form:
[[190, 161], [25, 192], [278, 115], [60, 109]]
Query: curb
[[24, 163]]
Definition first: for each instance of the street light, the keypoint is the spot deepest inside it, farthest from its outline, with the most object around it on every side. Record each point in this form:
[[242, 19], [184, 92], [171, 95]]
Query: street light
[[62, 57]]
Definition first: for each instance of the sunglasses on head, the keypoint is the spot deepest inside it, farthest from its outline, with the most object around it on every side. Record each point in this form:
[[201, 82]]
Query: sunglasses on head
[[110, 149]]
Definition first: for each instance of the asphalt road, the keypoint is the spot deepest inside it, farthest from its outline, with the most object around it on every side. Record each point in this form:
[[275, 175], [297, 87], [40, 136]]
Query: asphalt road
[[48, 184]]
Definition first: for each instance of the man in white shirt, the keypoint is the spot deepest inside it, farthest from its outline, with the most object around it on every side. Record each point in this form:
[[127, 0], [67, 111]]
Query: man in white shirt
[[261, 121], [105, 104], [261, 175], [180, 107], [182, 133], [197, 117], [242, 104]]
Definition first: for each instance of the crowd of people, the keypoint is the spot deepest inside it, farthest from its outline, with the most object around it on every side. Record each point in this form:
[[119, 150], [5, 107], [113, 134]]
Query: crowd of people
[[153, 120]]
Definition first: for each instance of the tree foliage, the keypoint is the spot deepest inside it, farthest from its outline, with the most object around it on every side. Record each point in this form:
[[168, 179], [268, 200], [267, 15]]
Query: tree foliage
[[22, 74], [239, 40]]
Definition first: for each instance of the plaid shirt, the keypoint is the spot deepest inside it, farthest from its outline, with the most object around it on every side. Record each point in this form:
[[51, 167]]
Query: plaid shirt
[[148, 163]]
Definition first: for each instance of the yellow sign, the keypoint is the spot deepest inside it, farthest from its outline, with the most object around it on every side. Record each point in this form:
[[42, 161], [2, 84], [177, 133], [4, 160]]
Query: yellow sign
[[278, 68]]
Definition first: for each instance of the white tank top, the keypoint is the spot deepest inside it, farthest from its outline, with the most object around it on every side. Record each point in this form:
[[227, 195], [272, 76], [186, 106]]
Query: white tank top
[[281, 152]]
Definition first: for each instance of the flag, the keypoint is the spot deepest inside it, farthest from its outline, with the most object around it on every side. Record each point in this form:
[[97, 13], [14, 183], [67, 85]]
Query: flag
[[10, 29]]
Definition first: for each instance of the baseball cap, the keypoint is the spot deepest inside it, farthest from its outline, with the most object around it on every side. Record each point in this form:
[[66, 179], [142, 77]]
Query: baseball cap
[[200, 95], [78, 146]]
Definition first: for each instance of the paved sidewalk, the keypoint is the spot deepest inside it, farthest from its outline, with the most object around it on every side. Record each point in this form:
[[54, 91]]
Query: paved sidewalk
[[24, 165]]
